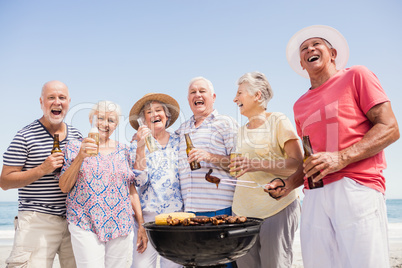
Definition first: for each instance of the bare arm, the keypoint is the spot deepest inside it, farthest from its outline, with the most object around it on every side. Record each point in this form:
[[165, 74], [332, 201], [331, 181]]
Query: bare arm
[[69, 177], [284, 167], [13, 176], [292, 182], [384, 132], [142, 238]]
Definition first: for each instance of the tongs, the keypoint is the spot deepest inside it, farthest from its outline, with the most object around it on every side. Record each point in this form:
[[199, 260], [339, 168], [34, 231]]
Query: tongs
[[233, 182], [236, 182], [242, 183], [239, 183]]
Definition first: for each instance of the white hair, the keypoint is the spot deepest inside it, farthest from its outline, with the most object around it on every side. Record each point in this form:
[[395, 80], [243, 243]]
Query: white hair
[[105, 106], [257, 81], [209, 83], [327, 43]]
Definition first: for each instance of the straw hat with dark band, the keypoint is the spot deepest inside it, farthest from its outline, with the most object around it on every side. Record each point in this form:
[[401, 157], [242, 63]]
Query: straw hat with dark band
[[335, 38], [171, 103]]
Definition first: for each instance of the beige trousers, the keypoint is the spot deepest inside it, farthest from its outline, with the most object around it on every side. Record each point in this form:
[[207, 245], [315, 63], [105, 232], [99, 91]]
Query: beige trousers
[[38, 238]]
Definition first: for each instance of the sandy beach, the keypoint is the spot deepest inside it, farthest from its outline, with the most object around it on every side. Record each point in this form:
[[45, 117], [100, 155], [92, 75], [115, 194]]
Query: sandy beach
[[395, 244]]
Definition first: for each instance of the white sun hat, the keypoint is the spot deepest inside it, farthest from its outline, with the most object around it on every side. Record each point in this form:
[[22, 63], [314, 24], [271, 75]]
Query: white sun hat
[[330, 34]]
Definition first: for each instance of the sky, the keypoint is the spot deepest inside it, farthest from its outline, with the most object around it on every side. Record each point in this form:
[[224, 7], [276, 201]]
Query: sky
[[121, 50]]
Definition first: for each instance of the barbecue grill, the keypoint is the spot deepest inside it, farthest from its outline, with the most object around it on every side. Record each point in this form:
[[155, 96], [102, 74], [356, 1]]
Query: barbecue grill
[[204, 245]]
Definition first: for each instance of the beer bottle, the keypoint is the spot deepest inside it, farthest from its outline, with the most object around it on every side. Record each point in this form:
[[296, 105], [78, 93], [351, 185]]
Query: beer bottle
[[149, 140], [193, 165], [56, 148], [308, 151]]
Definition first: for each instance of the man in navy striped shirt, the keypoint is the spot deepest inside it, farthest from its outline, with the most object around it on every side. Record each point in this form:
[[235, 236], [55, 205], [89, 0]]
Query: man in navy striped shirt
[[41, 227]]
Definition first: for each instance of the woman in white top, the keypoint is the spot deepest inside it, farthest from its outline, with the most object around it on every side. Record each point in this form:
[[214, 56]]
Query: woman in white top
[[270, 149]]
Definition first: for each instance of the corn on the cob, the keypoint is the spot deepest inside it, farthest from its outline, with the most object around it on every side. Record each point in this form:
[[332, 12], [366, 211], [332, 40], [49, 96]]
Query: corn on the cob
[[161, 218]]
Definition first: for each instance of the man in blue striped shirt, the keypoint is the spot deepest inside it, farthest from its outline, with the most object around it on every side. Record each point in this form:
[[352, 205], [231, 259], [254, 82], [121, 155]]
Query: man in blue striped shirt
[[213, 136], [28, 165]]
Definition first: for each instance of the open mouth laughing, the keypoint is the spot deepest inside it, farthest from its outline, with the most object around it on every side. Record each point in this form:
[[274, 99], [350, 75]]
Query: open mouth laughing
[[239, 104], [313, 58], [105, 130], [199, 102], [56, 111], [156, 121]]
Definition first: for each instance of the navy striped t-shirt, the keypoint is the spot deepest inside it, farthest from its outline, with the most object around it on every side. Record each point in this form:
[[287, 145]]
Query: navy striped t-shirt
[[30, 148]]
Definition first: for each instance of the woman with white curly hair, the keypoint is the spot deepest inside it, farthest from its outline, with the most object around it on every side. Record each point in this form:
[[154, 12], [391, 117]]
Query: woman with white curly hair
[[99, 204]]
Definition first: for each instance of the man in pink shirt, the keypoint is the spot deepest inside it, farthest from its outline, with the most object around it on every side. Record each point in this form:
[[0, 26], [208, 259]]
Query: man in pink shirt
[[349, 121]]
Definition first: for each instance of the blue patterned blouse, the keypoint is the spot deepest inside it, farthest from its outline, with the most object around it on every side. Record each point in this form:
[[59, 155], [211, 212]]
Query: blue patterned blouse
[[158, 186]]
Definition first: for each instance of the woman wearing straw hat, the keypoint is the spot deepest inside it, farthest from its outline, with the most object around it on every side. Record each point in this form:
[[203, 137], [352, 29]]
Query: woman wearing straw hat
[[156, 168]]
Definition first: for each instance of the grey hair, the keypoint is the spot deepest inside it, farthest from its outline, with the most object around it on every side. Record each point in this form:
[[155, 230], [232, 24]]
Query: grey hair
[[257, 82], [209, 83], [148, 104], [327, 43], [107, 107]]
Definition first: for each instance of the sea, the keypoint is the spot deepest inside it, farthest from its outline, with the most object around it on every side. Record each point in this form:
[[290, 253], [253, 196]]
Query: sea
[[8, 210]]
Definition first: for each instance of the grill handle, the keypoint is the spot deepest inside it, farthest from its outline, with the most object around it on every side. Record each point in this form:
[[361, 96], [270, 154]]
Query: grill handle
[[241, 232]]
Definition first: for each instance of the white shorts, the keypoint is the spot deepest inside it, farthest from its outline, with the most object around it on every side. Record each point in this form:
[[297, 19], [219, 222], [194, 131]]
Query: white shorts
[[90, 252], [38, 238], [344, 224]]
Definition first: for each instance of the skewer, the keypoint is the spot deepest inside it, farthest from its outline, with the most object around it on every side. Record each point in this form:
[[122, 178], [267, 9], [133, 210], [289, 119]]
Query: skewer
[[235, 180], [247, 186]]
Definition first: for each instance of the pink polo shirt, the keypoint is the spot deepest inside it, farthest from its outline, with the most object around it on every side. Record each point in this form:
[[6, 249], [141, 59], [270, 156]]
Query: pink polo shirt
[[334, 116]]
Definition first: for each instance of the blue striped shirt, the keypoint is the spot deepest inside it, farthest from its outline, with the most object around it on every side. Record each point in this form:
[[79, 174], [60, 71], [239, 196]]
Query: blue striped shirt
[[30, 148], [215, 135]]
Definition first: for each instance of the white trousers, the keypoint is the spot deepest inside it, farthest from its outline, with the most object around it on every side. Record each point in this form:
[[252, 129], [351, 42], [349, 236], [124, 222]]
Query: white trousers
[[344, 224], [148, 259], [90, 252]]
